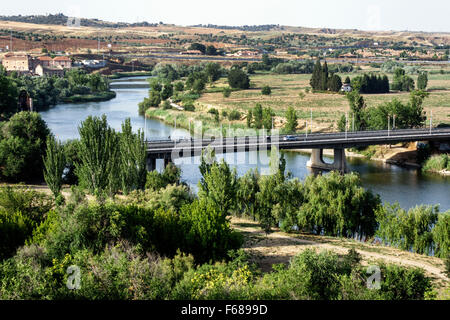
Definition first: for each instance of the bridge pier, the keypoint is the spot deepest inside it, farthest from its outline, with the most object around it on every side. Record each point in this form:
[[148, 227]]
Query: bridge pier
[[339, 164]]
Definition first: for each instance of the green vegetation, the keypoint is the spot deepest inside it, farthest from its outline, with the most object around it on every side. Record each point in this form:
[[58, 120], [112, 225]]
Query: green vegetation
[[407, 116], [110, 161], [422, 229], [437, 163], [22, 147], [402, 82], [238, 79], [323, 80], [54, 164], [266, 90], [371, 83]]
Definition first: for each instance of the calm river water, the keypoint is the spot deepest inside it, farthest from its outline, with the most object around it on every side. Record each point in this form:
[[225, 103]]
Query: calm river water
[[409, 187]]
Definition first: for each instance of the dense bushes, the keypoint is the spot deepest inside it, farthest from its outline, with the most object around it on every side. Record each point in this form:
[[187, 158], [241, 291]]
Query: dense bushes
[[371, 83], [22, 146], [238, 79], [333, 204], [110, 161], [122, 273], [422, 229], [437, 163], [21, 211], [337, 205]]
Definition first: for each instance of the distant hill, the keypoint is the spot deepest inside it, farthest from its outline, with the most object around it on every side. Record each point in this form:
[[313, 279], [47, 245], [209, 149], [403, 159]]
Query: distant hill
[[61, 19], [266, 27]]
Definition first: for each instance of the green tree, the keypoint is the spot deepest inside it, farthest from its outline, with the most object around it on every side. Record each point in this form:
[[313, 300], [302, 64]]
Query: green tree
[[324, 77], [8, 96], [291, 120], [422, 81], [358, 111], [266, 90], [54, 164], [249, 118], [258, 116], [218, 185], [198, 46], [226, 92], [133, 158], [22, 146], [268, 115], [213, 71], [335, 83], [167, 91], [179, 86], [238, 79], [211, 50], [98, 151], [315, 81]]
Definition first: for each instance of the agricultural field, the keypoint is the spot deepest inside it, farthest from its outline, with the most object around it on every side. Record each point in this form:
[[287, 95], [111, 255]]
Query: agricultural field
[[292, 90]]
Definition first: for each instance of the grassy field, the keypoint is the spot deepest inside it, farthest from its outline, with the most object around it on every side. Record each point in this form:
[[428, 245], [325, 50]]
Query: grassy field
[[326, 108]]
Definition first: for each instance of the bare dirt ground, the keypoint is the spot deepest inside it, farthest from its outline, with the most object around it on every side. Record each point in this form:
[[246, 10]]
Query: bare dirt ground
[[279, 247]]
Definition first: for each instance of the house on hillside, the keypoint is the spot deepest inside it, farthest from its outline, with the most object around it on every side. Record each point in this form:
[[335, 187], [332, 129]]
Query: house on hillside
[[346, 87], [19, 62], [57, 71]]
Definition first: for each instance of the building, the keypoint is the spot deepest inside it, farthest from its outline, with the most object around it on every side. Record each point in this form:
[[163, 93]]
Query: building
[[19, 62], [346, 87], [62, 61], [43, 65], [40, 70]]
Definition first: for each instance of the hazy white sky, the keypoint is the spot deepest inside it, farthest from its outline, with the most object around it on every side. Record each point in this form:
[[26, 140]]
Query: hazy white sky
[[417, 15]]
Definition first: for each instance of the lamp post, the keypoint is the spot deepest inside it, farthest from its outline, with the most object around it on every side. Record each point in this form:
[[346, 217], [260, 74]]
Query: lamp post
[[389, 124], [431, 121], [346, 125]]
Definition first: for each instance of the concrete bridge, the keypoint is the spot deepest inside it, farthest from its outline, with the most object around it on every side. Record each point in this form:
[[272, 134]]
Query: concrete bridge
[[170, 150]]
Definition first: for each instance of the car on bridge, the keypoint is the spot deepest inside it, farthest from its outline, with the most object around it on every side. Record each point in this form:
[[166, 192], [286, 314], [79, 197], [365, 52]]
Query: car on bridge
[[290, 138]]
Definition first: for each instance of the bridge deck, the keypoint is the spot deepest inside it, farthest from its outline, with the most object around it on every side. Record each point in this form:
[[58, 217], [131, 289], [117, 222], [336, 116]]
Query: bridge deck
[[187, 148]]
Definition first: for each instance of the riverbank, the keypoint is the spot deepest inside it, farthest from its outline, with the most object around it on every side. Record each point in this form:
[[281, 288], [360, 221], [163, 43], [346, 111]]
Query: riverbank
[[95, 97]]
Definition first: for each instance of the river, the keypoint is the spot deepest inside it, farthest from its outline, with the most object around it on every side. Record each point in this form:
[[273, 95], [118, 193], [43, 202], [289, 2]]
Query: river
[[409, 187]]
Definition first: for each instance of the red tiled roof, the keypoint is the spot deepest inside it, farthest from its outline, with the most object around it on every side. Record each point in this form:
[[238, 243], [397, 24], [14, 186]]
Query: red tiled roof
[[60, 58], [45, 58]]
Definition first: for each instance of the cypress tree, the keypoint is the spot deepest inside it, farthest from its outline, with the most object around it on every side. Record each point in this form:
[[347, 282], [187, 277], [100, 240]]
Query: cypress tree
[[324, 77], [316, 76]]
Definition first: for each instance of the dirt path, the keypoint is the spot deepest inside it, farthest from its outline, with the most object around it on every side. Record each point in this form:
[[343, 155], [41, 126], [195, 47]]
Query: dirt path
[[279, 247]]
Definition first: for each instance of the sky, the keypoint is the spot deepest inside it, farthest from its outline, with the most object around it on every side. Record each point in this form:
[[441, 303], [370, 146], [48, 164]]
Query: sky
[[398, 15]]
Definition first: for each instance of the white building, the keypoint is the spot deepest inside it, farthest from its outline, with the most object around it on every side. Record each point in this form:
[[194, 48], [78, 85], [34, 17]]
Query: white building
[[346, 87]]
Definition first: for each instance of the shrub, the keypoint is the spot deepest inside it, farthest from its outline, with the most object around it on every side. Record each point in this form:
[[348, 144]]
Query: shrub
[[399, 283], [157, 181], [21, 211], [238, 79], [337, 205], [409, 230], [266, 90], [226, 92], [22, 147], [166, 105], [437, 163], [234, 115]]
